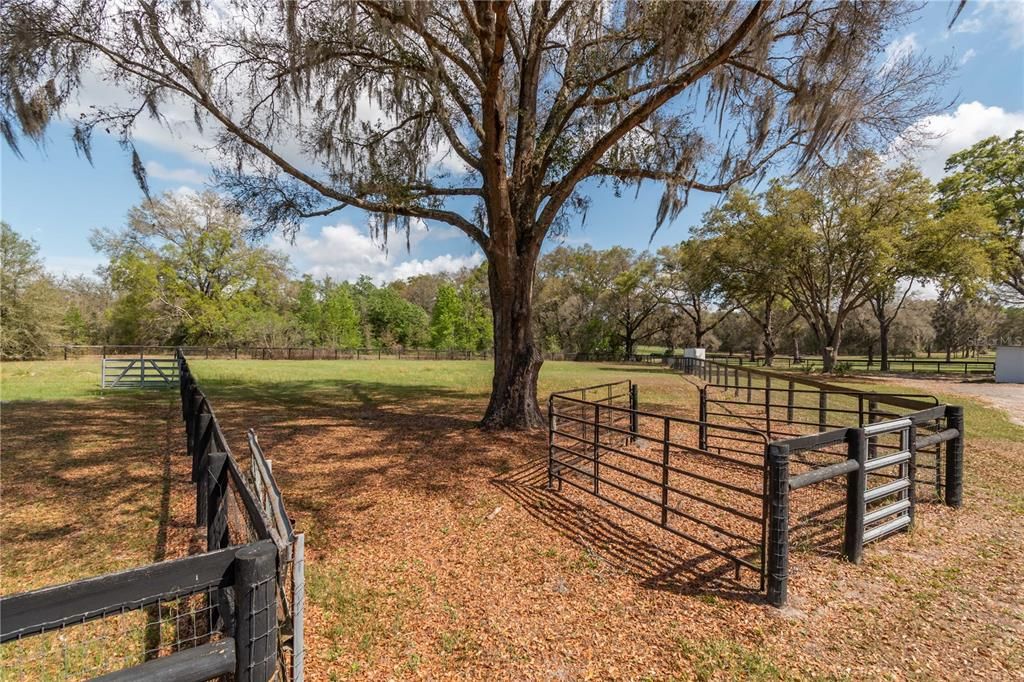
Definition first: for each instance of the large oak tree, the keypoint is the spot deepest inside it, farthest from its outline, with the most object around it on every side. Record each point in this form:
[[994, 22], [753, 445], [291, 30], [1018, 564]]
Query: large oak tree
[[531, 98]]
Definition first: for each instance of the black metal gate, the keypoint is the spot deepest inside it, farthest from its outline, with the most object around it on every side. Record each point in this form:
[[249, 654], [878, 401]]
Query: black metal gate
[[650, 466]]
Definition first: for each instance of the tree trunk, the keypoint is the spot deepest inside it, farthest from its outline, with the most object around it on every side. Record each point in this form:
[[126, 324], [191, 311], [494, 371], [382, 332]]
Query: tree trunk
[[828, 359], [883, 345], [768, 334], [517, 359], [830, 347]]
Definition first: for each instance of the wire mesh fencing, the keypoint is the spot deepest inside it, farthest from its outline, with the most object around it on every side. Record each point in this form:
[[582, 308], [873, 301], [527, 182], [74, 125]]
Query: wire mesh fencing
[[88, 645], [239, 501]]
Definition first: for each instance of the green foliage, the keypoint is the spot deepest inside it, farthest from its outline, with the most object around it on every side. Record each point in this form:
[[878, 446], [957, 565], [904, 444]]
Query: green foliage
[[74, 327], [183, 271], [962, 249], [577, 299], [990, 173], [394, 321], [475, 329], [30, 309], [339, 317], [446, 316]]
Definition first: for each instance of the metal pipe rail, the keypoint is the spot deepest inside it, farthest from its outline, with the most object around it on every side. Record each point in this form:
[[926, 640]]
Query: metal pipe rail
[[583, 443]]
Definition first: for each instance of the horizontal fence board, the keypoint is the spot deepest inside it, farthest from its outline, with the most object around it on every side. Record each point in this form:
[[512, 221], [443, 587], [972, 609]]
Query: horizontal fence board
[[192, 665], [82, 600]]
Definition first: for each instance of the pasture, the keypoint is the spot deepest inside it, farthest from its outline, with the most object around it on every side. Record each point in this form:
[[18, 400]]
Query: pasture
[[434, 551]]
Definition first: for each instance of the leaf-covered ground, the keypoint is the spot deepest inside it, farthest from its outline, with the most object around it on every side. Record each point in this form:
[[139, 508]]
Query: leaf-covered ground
[[434, 551]]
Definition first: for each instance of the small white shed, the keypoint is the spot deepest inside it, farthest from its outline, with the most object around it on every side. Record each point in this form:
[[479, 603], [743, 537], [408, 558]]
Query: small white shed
[[694, 353], [1010, 365]]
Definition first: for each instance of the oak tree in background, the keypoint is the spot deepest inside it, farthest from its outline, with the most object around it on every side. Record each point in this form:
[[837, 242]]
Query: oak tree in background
[[527, 99], [572, 288], [846, 243], [992, 171], [750, 236], [30, 305], [183, 271], [693, 285], [633, 299], [907, 210]]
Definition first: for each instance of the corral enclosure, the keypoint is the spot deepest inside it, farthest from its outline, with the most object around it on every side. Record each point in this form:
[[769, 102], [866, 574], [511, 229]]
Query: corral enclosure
[[434, 549]]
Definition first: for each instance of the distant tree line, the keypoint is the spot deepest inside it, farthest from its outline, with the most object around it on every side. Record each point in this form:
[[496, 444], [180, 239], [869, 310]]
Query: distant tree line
[[825, 266], [182, 272]]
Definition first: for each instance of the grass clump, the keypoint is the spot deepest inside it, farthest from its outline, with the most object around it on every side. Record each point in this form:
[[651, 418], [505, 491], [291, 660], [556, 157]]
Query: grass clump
[[724, 659]]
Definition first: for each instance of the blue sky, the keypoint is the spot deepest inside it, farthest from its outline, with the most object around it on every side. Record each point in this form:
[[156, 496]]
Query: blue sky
[[56, 198]]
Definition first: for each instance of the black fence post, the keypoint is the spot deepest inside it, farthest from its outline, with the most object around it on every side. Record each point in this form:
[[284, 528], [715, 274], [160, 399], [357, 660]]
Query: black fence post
[[634, 402], [216, 508], [955, 457], [200, 440], [778, 523], [822, 409], [664, 471], [551, 442], [702, 419], [873, 443], [789, 403], [256, 618], [597, 447], [856, 483]]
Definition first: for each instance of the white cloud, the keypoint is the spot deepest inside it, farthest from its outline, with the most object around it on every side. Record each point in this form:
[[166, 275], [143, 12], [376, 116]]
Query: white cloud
[[971, 122], [968, 56], [898, 50], [971, 25], [433, 266], [344, 252], [155, 169], [1009, 14]]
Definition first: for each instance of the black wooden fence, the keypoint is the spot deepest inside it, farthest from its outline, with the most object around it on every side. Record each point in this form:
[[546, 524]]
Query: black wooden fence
[[234, 609]]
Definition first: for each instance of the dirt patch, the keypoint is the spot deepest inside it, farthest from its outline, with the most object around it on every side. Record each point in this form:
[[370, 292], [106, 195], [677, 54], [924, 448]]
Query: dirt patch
[[1006, 397]]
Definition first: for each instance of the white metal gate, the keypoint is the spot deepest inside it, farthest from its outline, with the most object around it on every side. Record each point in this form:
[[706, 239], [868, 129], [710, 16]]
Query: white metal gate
[[889, 504], [139, 372]]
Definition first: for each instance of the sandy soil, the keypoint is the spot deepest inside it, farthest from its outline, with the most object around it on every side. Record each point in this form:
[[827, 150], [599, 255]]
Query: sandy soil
[[1007, 397]]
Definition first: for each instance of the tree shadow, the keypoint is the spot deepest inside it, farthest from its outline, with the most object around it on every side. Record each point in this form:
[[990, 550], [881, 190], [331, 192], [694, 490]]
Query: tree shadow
[[664, 564], [92, 481]]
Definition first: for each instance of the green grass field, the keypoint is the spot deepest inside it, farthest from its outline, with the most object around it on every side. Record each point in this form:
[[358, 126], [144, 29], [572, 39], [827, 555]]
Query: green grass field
[[295, 381]]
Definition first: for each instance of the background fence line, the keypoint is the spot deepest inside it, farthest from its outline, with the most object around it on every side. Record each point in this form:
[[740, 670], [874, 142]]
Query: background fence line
[[896, 365]]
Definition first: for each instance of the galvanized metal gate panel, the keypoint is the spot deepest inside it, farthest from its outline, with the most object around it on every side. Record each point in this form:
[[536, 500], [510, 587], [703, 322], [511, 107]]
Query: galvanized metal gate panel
[[139, 372]]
